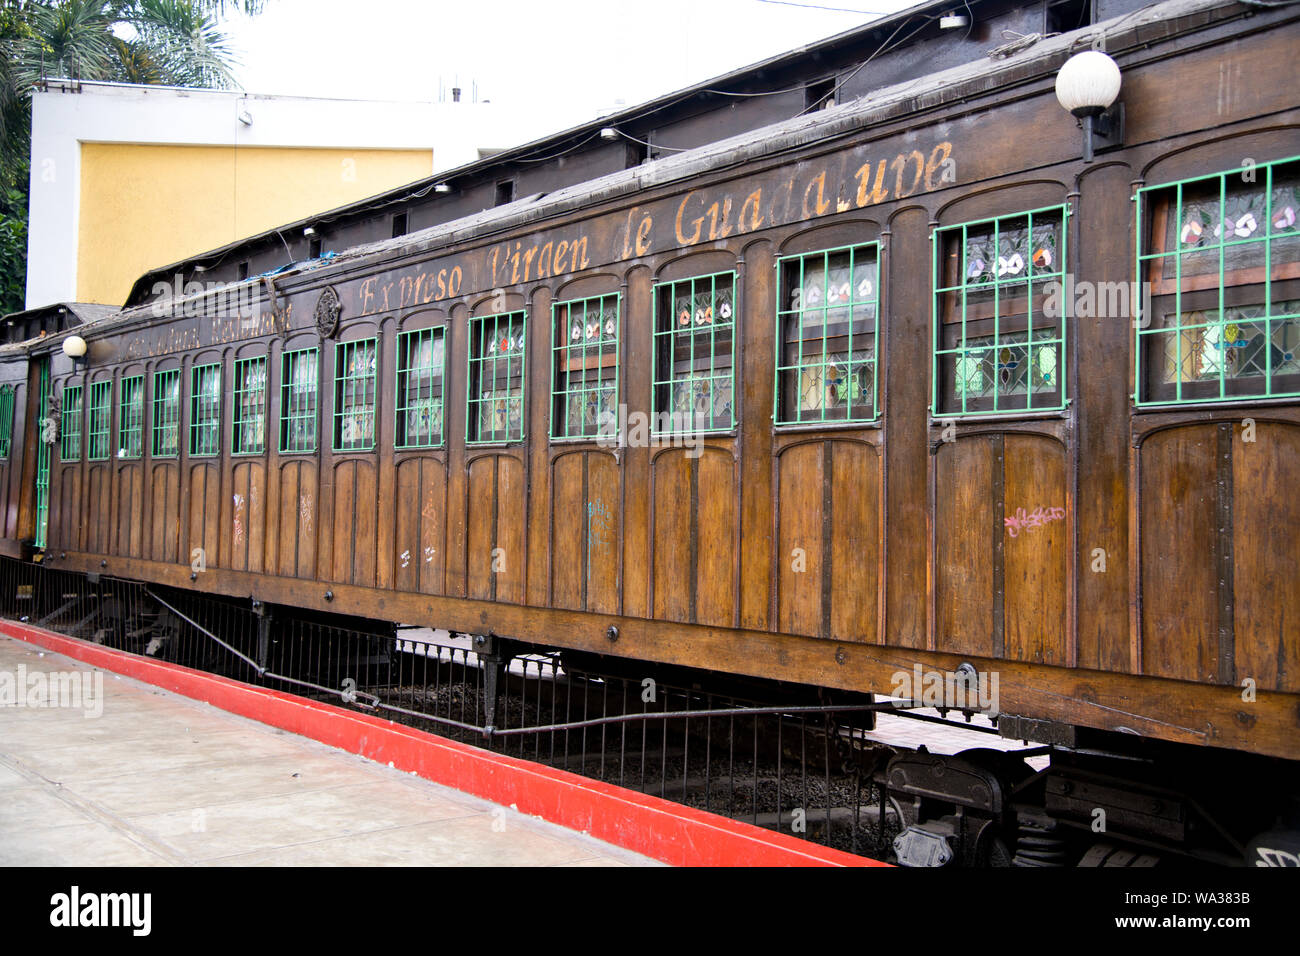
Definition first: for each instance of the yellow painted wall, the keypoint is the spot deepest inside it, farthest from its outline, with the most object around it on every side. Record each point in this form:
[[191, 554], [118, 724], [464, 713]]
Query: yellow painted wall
[[147, 206]]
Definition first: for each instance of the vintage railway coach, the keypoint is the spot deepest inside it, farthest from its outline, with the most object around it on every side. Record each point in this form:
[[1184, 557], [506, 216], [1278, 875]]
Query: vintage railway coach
[[865, 395]]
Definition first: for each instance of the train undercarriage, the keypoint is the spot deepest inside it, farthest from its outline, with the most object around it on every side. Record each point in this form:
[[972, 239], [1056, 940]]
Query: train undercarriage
[[837, 767]]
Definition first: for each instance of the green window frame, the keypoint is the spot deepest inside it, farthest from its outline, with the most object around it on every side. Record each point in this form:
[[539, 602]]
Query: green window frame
[[101, 404], [998, 344], [496, 367], [418, 404], [130, 417], [695, 354], [299, 390], [6, 419], [205, 410], [585, 365], [166, 413], [70, 424], [1219, 264], [827, 323], [248, 421], [355, 394]]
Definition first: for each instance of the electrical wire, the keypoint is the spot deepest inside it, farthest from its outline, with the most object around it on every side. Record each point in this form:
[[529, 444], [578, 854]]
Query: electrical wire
[[883, 48], [814, 6]]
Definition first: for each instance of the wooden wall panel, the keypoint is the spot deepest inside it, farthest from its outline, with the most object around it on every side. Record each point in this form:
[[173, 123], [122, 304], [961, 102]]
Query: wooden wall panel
[[480, 506], [716, 563], [204, 512], [964, 545], [238, 531], [248, 516], [355, 522], [71, 508], [855, 543], [1178, 531], [419, 517], [569, 530], [671, 541], [511, 500], [602, 544], [1266, 556], [299, 502], [130, 510], [799, 506], [584, 536], [164, 512], [1035, 550], [98, 492]]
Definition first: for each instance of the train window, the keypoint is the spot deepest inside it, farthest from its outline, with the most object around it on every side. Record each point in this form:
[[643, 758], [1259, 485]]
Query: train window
[[70, 424], [354, 395], [827, 322], [996, 347], [694, 355], [101, 394], [205, 410], [584, 370], [496, 378], [6, 419], [421, 364], [248, 423], [166, 413], [1219, 259], [298, 401], [130, 417]]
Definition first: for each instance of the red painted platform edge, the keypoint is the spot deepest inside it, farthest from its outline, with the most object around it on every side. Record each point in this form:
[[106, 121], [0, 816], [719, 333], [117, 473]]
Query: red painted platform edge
[[653, 827]]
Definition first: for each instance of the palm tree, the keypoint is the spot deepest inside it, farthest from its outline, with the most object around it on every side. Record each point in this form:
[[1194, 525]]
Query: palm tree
[[170, 42]]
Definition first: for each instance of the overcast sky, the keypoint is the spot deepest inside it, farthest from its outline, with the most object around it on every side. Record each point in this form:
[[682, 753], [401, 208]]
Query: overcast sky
[[567, 59]]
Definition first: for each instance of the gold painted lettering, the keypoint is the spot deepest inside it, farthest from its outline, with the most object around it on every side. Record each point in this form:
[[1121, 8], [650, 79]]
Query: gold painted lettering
[[822, 204], [901, 162], [698, 223], [935, 163], [643, 236], [753, 202], [544, 262], [877, 192], [561, 252], [576, 261]]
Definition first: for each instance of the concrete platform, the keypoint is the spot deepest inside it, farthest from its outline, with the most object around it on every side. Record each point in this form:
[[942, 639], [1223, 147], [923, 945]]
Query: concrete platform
[[133, 775]]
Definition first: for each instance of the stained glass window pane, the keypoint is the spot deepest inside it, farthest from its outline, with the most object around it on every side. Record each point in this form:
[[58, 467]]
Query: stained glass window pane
[[205, 410], [1221, 265], [130, 421], [166, 413], [70, 424], [827, 320], [585, 372], [100, 399], [249, 422], [421, 358], [354, 395], [695, 354], [497, 354], [999, 345], [298, 401]]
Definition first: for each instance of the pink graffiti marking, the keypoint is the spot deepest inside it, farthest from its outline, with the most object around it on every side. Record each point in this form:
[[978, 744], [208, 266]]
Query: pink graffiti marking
[[1022, 520]]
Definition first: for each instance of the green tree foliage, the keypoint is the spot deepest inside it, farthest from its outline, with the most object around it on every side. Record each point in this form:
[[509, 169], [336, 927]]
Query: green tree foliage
[[168, 42]]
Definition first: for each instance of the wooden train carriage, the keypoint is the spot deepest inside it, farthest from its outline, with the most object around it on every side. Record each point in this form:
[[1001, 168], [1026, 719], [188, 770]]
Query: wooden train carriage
[[899, 453]]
